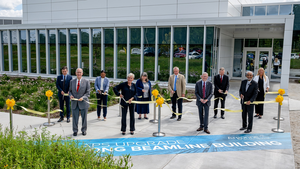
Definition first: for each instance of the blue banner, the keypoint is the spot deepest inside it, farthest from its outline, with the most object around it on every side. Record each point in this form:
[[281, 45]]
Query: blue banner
[[191, 144]]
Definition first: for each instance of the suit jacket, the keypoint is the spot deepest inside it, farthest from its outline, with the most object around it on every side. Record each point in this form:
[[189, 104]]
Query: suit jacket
[[199, 93], [251, 93], [140, 87], [180, 84], [83, 91], [105, 84], [60, 82], [127, 92], [266, 82], [218, 85]]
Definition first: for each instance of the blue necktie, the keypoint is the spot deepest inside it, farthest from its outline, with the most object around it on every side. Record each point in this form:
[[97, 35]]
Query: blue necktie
[[175, 83]]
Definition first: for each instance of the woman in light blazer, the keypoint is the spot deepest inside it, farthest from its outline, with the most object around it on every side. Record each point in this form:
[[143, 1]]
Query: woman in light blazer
[[263, 86], [143, 86]]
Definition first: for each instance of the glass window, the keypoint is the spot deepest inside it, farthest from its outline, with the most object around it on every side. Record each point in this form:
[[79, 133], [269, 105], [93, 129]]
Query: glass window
[[272, 10], [285, 9], [265, 43], [14, 49], [209, 49], [179, 48], [85, 51], [42, 46], [52, 40], [63, 48], [195, 54], [23, 50], [238, 58], [248, 11], [164, 38], [296, 12], [250, 42], [73, 49], [260, 10], [149, 51], [122, 53], [135, 51], [277, 59], [32, 36], [5, 50], [96, 52], [109, 52]]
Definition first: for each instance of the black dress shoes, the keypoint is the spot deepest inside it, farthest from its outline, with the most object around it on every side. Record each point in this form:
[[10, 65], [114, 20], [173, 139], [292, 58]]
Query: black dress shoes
[[84, 133], [206, 131], [75, 134], [256, 115], [247, 131], [132, 133], [179, 119], [199, 129], [60, 120], [222, 117], [172, 117], [68, 120], [242, 128], [215, 116], [123, 133]]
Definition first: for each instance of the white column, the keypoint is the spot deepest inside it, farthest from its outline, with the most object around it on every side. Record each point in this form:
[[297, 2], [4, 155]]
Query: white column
[[91, 52], [47, 43], [171, 49], [37, 50], [102, 49], [28, 52], [79, 60], [156, 55], [115, 53], [19, 46], [10, 57], [142, 51], [187, 53], [1, 52], [204, 49], [286, 54], [57, 47], [68, 50], [128, 50]]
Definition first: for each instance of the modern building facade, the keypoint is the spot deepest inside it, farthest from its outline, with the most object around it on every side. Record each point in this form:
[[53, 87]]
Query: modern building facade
[[123, 36]]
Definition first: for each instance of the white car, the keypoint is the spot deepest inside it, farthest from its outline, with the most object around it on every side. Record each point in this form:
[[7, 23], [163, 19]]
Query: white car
[[136, 51], [294, 56], [194, 55]]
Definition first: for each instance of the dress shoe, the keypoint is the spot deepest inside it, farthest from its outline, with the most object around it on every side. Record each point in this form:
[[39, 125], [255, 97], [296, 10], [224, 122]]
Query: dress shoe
[[84, 133], [199, 129], [179, 119], [247, 131], [132, 133], [256, 115], [172, 117], [68, 120], [139, 118], [123, 133], [259, 117], [60, 120], [206, 131], [242, 128], [146, 118], [222, 117], [215, 116], [75, 134]]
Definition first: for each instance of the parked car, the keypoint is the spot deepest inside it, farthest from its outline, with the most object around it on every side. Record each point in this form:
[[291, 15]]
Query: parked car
[[136, 51], [181, 54], [149, 51], [194, 55], [196, 50], [294, 56]]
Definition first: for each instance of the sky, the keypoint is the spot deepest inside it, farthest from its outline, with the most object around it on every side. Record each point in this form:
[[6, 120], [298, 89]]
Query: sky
[[13, 8]]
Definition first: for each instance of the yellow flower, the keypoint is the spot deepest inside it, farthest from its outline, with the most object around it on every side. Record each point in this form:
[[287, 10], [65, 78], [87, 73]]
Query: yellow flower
[[49, 94], [159, 101], [155, 93], [6, 166], [279, 99], [281, 91], [10, 103]]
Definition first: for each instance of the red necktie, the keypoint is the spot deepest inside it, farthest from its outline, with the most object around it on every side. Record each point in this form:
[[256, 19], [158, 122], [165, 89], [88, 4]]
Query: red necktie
[[221, 79], [78, 85], [203, 90]]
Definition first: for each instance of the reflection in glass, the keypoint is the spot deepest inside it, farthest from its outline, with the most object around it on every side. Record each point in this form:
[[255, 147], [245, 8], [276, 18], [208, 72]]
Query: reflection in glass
[[277, 59], [135, 51], [5, 50], [96, 52], [179, 48], [109, 52], [42, 46], [260, 10], [63, 48], [149, 52], [14, 49], [265, 43], [85, 51], [52, 40], [32, 39], [263, 60], [209, 49], [248, 11], [122, 49], [164, 38], [238, 58], [272, 10], [73, 53], [250, 42], [250, 61], [296, 12], [285, 9], [195, 54], [23, 50]]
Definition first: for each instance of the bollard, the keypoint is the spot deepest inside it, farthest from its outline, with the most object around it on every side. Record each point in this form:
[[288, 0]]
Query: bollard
[[154, 115], [159, 134], [278, 130], [49, 123]]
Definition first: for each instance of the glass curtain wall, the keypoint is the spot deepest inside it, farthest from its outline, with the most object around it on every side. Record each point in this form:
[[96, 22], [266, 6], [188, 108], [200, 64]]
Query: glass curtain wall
[[149, 52], [52, 43], [109, 52], [32, 36], [121, 49], [62, 48], [85, 51], [164, 38], [42, 46], [14, 50], [238, 57], [5, 50], [295, 59], [209, 49], [96, 52], [23, 50], [73, 49], [179, 48], [277, 59], [135, 51], [195, 54]]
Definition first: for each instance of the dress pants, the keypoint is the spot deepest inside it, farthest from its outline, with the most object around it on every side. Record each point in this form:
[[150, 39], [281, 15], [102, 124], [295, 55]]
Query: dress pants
[[259, 109], [102, 98], [203, 116], [61, 106], [247, 111], [222, 104], [124, 114], [75, 118], [179, 103]]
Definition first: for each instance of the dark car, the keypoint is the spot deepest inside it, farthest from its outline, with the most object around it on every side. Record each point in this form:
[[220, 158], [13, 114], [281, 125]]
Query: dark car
[[181, 54], [149, 51]]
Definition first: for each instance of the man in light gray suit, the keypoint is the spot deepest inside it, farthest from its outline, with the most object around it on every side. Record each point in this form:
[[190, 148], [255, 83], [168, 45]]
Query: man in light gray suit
[[79, 89], [203, 92]]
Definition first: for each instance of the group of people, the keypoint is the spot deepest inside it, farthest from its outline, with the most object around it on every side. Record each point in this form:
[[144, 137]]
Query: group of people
[[78, 91]]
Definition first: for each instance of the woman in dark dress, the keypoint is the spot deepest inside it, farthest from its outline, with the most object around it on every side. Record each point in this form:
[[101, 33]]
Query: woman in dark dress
[[143, 86], [263, 86], [128, 90]]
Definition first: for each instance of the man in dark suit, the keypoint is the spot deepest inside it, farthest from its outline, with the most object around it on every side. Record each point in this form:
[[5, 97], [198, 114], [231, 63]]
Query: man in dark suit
[[79, 93], [248, 93], [62, 85], [203, 92], [221, 83]]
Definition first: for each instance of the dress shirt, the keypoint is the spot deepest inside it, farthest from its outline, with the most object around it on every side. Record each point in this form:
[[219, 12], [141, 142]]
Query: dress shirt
[[175, 80], [77, 83], [101, 86]]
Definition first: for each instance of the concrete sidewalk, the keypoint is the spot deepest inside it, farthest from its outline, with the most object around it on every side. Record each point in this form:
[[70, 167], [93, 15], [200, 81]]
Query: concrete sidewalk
[[237, 158]]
